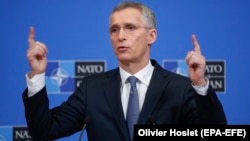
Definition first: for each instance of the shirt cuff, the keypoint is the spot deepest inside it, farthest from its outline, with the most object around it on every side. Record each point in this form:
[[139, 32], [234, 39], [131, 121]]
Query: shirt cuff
[[202, 90], [35, 84]]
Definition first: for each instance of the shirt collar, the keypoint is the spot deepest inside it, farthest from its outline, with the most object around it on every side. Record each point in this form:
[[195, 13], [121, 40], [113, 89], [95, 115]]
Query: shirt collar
[[143, 75]]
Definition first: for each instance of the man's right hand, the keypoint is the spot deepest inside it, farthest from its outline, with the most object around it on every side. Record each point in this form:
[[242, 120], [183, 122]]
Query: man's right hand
[[36, 55]]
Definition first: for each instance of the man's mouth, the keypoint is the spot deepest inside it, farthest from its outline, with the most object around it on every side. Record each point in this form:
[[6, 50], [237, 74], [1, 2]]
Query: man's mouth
[[122, 48]]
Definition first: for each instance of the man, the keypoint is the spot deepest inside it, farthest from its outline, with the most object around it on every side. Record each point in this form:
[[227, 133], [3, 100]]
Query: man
[[164, 97]]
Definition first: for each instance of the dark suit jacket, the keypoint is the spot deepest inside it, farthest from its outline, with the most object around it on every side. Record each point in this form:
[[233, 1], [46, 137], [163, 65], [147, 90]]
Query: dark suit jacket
[[170, 99]]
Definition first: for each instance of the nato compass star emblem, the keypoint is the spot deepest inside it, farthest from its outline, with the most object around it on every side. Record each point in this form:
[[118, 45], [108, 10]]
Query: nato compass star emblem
[[59, 77]]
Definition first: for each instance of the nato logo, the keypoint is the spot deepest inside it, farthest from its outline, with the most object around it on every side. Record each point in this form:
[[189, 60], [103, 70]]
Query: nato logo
[[215, 71], [63, 77], [6, 133]]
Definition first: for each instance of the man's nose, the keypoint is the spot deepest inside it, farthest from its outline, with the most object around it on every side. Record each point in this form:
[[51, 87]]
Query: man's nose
[[121, 34]]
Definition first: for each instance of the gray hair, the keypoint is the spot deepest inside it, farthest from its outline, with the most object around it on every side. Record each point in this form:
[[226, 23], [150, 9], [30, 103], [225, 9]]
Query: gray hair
[[147, 13]]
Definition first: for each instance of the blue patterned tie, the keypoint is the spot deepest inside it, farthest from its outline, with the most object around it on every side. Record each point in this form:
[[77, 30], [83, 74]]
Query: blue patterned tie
[[133, 106]]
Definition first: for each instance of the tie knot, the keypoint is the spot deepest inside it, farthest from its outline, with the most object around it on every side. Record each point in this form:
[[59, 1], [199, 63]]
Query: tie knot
[[132, 80]]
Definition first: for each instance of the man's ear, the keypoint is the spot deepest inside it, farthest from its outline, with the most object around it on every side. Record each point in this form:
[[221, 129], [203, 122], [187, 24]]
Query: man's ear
[[152, 36]]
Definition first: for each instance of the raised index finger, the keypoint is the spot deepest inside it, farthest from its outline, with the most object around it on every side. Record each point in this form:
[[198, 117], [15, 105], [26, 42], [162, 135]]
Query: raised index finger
[[196, 44], [31, 38]]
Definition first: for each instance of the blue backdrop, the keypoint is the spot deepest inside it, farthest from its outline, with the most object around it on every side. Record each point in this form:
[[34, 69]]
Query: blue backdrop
[[78, 30]]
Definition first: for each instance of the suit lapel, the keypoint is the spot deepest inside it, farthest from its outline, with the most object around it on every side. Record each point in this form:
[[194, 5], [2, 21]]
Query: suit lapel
[[156, 87], [113, 94]]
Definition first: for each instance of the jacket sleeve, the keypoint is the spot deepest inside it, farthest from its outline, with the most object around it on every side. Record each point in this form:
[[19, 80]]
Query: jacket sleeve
[[210, 109], [46, 124]]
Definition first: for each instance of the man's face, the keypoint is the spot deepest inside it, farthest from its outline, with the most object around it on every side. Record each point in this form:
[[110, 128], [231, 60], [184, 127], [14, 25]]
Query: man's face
[[130, 37]]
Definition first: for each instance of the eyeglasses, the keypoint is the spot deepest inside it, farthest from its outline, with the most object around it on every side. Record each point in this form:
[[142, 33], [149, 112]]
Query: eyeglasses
[[128, 29]]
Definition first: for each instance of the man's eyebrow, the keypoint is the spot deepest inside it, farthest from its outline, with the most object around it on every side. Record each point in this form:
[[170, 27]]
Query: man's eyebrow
[[129, 24], [114, 26], [125, 24]]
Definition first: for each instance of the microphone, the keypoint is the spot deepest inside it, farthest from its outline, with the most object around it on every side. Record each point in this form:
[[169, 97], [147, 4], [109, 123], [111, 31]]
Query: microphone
[[86, 120]]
